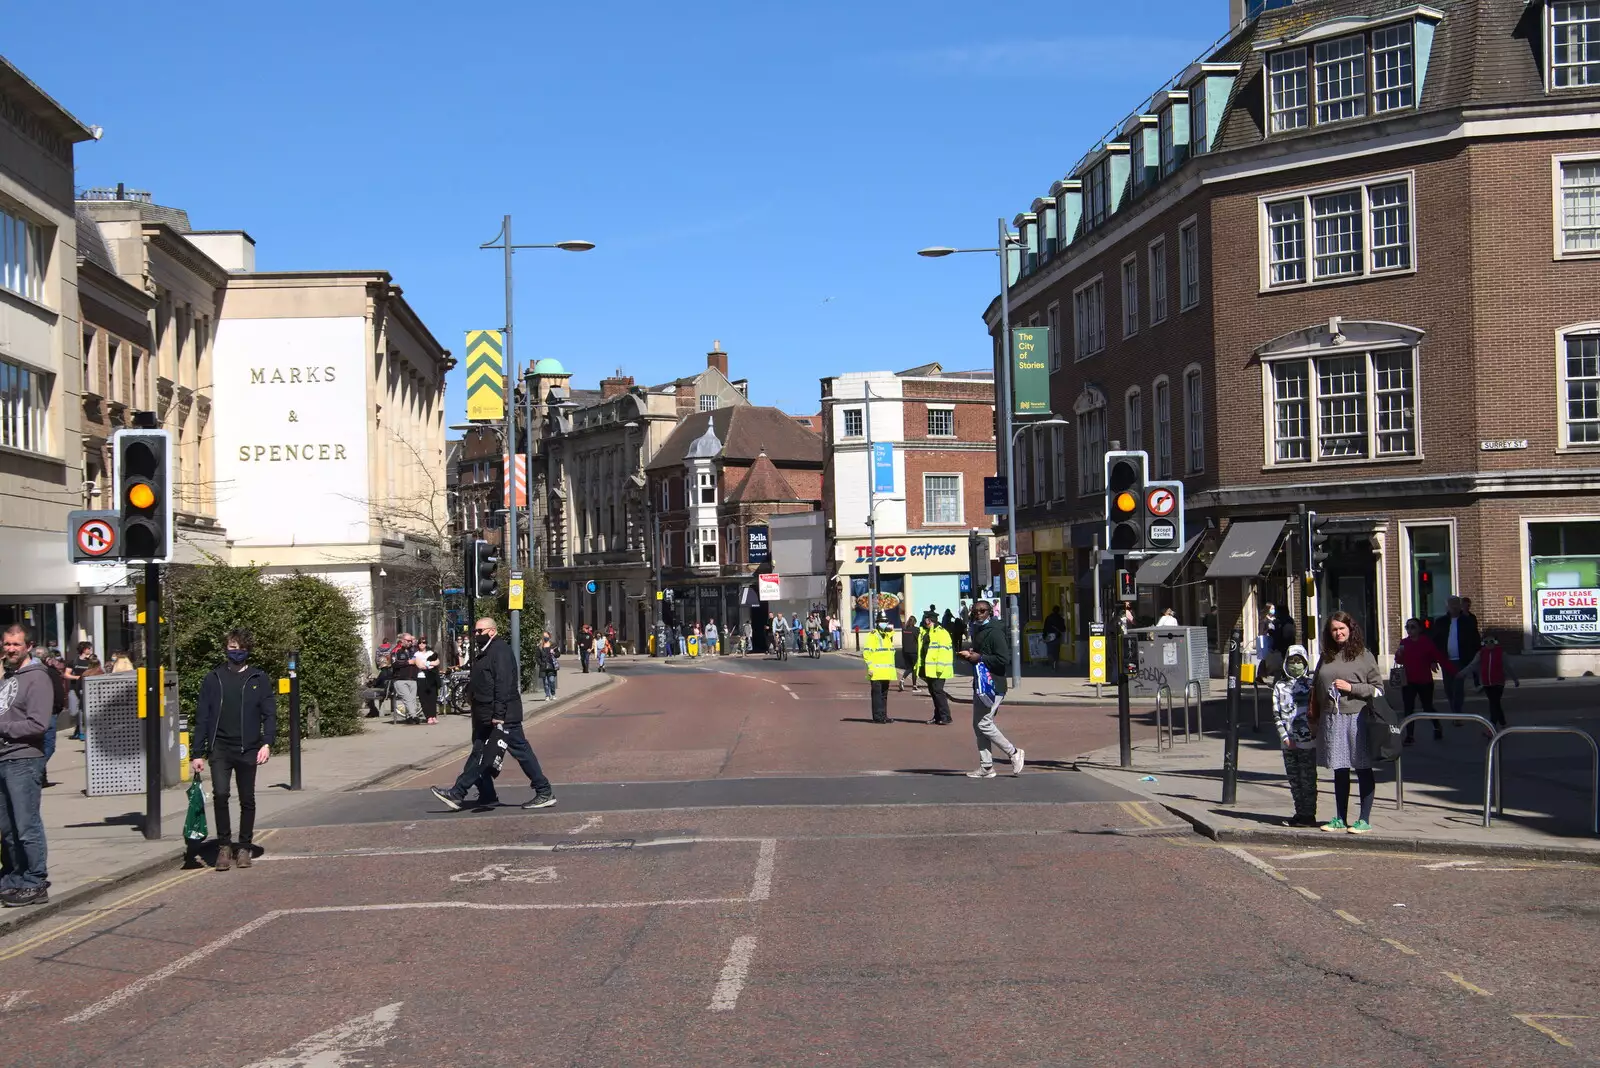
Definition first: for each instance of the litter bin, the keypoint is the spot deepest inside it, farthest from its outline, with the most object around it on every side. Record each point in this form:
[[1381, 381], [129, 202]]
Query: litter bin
[[1172, 657]]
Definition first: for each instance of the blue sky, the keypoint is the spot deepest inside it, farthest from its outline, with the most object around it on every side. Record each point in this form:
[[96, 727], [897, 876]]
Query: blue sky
[[756, 173]]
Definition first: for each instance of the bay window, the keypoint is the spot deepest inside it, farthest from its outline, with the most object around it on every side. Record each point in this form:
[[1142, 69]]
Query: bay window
[[1353, 406]]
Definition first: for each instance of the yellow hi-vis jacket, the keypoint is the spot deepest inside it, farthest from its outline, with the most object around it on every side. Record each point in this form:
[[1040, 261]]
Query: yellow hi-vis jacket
[[936, 654], [878, 651]]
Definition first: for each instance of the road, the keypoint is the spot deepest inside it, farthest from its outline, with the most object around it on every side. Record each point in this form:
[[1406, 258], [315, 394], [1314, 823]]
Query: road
[[743, 869]]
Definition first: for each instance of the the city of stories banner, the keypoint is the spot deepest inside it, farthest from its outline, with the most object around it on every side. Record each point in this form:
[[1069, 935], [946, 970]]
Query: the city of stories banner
[[1030, 376], [1566, 601]]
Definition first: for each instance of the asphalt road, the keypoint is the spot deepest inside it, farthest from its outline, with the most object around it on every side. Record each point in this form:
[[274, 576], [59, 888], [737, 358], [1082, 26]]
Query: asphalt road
[[824, 892]]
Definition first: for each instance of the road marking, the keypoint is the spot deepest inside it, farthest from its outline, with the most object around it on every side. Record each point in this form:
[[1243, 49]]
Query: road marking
[[592, 821], [1402, 947], [786, 687], [1502, 869], [761, 886], [1445, 864], [1306, 855], [734, 972], [1307, 894], [1322, 868], [1464, 985], [409, 827], [1347, 918], [1256, 862], [793, 694], [506, 874], [1532, 1020], [333, 1048], [83, 921], [11, 1000]]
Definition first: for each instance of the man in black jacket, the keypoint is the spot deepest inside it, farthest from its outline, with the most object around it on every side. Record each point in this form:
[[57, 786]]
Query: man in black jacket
[[236, 722], [1457, 636], [496, 706], [992, 649]]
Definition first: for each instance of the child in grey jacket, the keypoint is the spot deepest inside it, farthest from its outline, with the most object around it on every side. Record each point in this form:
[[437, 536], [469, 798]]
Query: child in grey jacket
[[1291, 701]]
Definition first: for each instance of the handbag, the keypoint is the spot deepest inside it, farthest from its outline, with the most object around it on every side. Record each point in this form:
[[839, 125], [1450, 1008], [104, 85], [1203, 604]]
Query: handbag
[[194, 824], [1382, 724]]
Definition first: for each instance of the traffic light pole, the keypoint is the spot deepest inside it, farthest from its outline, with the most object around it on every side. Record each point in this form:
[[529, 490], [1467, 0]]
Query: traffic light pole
[[1230, 751], [1124, 682], [152, 701], [511, 459]]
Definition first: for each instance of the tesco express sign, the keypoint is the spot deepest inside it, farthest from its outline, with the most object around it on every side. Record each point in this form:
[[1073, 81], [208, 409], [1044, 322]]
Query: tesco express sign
[[889, 553]]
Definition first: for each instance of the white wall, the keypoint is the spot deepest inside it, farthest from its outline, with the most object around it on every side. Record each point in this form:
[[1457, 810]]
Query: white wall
[[291, 419], [852, 457]]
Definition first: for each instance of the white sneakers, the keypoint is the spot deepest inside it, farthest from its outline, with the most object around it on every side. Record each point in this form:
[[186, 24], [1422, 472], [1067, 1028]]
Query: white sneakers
[[1016, 762], [985, 771]]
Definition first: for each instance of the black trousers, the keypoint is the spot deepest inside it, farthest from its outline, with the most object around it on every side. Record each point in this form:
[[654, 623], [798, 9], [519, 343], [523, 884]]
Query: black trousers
[[941, 700], [428, 695], [880, 701], [226, 763], [520, 750]]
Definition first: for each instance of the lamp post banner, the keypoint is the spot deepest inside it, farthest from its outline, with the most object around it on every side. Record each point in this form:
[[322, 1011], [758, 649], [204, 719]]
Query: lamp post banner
[[882, 467], [486, 371], [1030, 378]]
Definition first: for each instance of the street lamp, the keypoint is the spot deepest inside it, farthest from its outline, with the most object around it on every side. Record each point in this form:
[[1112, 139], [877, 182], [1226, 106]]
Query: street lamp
[[502, 240], [1007, 241]]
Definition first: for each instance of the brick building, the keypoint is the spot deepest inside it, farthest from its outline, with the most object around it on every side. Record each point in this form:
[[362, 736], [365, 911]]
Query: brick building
[[940, 427], [713, 486], [1345, 261]]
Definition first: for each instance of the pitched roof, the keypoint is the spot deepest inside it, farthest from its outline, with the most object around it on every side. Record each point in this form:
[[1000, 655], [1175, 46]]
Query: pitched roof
[[92, 245], [763, 482], [745, 430]]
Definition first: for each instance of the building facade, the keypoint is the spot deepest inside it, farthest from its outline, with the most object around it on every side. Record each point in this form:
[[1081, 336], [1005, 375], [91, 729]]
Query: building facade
[[41, 473], [1345, 262], [939, 430]]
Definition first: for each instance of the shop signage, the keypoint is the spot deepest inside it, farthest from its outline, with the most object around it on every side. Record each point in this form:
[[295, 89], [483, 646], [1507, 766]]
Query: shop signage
[[1030, 378], [767, 587], [882, 467], [759, 552], [1569, 611], [887, 552], [994, 495]]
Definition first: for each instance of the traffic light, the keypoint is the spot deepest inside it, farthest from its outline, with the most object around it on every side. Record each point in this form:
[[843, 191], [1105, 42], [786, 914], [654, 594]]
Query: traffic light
[[144, 493], [483, 577], [1316, 542], [1125, 510], [1125, 588]]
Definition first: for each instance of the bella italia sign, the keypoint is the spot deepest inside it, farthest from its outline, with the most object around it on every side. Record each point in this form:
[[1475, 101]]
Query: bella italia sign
[[1030, 378]]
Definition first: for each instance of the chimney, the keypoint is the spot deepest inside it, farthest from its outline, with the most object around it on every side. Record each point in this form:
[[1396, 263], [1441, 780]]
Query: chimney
[[616, 385], [717, 358]]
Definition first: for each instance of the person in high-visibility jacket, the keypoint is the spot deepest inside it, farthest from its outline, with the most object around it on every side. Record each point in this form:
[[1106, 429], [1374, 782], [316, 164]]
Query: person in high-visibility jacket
[[877, 649], [936, 661]]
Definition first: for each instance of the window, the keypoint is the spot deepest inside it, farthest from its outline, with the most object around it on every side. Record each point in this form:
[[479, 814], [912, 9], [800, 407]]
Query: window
[[1199, 136], [1341, 69], [852, 422], [1579, 206], [1581, 374], [708, 402], [1058, 459], [91, 376], [1163, 428], [1168, 153], [941, 500], [1097, 206], [1574, 44], [1339, 247], [1130, 296], [1158, 281], [1089, 319], [1133, 420], [1136, 160], [666, 495], [1091, 451], [1393, 85], [24, 408], [113, 371], [1194, 422], [941, 422], [707, 545], [1286, 90], [1348, 407], [1189, 264], [708, 487], [21, 256], [1055, 337]]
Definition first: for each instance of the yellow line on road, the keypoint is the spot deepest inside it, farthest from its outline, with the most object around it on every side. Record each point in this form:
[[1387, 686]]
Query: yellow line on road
[[1468, 987], [1347, 918], [1307, 894], [1137, 811], [1402, 947], [1532, 1020]]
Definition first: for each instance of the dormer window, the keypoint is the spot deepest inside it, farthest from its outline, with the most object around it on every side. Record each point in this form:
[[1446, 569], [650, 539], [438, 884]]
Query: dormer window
[[1574, 44], [708, 487], [708, 401], [1097, 201], [1168, 159], [1350, 77], [1136, 158], [1197, 119]]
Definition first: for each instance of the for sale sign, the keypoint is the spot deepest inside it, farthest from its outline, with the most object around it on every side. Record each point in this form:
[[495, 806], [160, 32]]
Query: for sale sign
[[1569, 611]]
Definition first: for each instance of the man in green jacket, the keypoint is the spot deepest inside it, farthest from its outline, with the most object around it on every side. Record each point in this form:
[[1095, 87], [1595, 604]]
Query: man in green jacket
[[992, 650], [935, 663]]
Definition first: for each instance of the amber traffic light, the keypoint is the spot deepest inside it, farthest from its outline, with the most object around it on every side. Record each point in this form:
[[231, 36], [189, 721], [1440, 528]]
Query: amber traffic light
[[144, 493]]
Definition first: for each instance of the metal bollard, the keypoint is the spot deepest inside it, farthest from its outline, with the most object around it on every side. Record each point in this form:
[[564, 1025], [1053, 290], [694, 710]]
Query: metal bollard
[[1165, 692]]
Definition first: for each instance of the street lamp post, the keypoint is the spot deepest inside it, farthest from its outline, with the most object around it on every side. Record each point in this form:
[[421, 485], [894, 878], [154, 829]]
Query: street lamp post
[[502, 240], [1007, 241]]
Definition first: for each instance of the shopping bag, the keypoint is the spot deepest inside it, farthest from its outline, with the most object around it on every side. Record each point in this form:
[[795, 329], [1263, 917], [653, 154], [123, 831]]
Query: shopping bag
[[1382, 724], [194, 824]]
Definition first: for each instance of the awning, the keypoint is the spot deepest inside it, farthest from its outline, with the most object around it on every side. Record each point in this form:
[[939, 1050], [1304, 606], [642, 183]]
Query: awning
[[1158, 570], [1246, 550]]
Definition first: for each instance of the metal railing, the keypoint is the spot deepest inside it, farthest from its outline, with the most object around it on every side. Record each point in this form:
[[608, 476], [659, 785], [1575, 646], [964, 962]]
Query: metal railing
[[1491, 772], [1399, 761], [1199, 701], [1164, 700]]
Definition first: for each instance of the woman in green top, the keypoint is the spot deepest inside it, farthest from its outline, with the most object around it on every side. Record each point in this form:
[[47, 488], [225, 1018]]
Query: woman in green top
[[1346, 679]]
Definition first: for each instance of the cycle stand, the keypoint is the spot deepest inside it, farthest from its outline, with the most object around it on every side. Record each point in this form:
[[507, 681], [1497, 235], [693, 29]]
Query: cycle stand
[[1399, 761], [1491, 773]]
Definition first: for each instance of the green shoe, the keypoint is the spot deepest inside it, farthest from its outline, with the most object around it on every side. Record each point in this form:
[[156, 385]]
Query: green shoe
[[1359, 827], [1336, 825]]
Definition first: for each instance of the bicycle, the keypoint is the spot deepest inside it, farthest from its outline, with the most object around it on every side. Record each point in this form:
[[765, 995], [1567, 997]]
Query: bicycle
[[457, 696], [781, 643], [813, 647]]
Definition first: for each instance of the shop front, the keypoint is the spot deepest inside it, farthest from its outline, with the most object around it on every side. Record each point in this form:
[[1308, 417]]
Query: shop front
[[914, 573]]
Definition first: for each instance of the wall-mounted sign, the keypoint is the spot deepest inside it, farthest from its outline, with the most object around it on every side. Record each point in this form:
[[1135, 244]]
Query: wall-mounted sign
[[889, 552], [1030, 378], [758, 549], [882, 467], [1569, 612], [1503, 444], [767, 587], [994, 495]]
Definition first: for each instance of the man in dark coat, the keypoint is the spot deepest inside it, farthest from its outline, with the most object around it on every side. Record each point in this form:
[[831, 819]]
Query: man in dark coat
[[496, 712], [236, 722], [1456, 634]]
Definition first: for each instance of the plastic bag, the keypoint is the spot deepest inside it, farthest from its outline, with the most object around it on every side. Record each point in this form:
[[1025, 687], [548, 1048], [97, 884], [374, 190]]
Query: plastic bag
[[194, 824], [494, 753]]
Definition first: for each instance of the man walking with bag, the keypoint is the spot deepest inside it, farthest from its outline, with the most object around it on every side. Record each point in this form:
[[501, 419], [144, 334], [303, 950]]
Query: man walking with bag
[[990, 657], [236, 722], [496, 708]]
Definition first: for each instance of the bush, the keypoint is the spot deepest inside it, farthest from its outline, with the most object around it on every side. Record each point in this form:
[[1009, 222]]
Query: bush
[[327, 632]]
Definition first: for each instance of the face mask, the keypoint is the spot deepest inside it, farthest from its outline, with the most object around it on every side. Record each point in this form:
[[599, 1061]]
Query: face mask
[[238, 656], [1295, 669]]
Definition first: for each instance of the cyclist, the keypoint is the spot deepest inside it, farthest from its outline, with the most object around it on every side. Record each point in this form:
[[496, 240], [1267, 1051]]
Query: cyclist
[[813, 636], [780, 636]]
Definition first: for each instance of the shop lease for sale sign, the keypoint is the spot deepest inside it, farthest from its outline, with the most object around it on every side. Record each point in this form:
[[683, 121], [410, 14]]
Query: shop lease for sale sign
[[1569, 611]]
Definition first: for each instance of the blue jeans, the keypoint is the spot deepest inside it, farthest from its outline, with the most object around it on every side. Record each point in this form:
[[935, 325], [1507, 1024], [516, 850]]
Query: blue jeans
[[50, 741], [22, 844], [549, 686]]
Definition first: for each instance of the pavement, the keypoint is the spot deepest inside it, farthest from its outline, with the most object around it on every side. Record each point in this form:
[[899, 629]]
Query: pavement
[[98, 843]]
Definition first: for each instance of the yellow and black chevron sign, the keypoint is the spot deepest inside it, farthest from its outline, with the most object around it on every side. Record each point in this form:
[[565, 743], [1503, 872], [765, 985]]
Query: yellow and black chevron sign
[[486, 375]]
